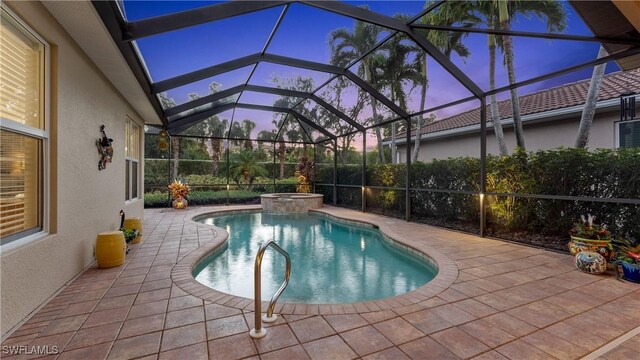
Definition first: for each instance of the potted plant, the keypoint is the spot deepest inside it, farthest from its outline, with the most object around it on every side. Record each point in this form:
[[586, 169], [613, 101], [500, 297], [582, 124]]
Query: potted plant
[[129, 236], [628, 258], [179, 192], [588, 236]]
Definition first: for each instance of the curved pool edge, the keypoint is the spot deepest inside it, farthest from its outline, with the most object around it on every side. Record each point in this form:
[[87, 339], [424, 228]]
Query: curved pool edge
[[182, 273]]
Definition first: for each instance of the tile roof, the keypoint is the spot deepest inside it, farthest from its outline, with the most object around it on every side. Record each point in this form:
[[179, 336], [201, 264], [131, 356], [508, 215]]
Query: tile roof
[[613, 85]]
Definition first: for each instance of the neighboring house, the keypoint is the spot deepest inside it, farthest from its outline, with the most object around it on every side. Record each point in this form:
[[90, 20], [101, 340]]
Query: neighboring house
[[550, 119], [55, 94]]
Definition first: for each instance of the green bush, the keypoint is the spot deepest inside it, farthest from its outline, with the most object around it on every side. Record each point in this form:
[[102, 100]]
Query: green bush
[[161, 199], [603, 173]]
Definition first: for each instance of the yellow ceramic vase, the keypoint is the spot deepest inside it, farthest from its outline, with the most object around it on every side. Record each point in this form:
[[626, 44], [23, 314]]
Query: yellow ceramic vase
[[110, 249], [135, 224]]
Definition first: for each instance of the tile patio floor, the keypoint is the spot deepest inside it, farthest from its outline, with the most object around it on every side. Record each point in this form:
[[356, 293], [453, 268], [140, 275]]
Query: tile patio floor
[[508, 301]]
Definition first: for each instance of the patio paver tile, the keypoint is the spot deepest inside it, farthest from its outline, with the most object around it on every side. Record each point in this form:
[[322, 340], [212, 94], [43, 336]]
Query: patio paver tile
[[345, 322], [311, 329], [520, 350], [291, 353], [366, 340], [277, 337], [184, 317], [427, 348], [487, 333], [393, 353], [151, 308], [459, 342], [136, 346], [106, 317], [453, 314], [183, 336], [191, 352], [143, 325], [226, 326], [555, 346], [427, 321], [329, 348], [232, 347], [115, 302], [63, 325], [93, 336], [398, 330], [94, 352]]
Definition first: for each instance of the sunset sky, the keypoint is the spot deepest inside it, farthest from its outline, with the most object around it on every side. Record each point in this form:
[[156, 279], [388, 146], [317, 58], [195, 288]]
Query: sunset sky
[[304, 34]]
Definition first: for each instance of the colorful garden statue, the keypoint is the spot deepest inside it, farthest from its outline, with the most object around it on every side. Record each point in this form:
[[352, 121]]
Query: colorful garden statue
[[105, 149]]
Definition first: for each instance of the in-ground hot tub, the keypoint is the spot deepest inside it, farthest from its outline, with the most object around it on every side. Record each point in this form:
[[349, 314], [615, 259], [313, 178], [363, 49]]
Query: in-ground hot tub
[[290, 202]]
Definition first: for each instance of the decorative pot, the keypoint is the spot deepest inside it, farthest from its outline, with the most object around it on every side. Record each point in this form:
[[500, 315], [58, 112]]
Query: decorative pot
[[631, 272], [111, 249], [603, 247], [179, 203], [591, 262], [135, 224]]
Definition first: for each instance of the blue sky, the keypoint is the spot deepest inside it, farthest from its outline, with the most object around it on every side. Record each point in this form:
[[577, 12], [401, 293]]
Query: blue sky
[[304, 34]]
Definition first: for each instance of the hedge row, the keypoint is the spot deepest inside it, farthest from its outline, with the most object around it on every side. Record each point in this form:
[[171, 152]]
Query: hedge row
[[157, 170], [604, 173], [161, 199]]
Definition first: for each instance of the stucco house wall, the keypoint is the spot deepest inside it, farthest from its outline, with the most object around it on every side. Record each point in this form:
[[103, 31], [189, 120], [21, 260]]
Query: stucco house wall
[[83, 200], [550, 134]]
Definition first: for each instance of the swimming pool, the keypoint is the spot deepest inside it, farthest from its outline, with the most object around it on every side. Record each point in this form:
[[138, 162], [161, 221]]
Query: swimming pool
[[332, 262]]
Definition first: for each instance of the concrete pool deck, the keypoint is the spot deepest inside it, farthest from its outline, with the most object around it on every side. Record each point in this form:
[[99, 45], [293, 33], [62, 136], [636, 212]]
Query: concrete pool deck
[[506, 301]]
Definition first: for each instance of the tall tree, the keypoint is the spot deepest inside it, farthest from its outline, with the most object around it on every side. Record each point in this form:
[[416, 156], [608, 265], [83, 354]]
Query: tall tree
[[488, 15], [550, 11], [247, 128], [589, 109], [168, 102], [396, 72], [448, 42], [349, 45]]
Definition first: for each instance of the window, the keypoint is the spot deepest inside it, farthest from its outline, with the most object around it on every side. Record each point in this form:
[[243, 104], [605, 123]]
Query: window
[[132, 159], [23, 132], [628, 134]]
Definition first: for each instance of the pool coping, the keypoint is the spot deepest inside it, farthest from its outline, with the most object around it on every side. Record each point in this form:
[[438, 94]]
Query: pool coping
[[181, 274]]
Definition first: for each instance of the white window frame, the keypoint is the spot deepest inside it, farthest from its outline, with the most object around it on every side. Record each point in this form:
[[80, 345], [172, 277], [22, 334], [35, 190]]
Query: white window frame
[[128, 161], [616, 130], [40, 134]]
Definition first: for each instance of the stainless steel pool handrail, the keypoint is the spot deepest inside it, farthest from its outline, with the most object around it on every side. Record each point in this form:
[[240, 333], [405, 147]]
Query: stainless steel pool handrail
[[258, 331]]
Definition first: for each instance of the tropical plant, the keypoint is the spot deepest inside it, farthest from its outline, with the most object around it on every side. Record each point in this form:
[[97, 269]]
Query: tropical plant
[[550, 11], [586, 229], [305, 173], [166, 103], [245, 165], [350, 45], [394, 70], [179, 189], [448, 42], [247, 127], [626, 250], [589, 109]]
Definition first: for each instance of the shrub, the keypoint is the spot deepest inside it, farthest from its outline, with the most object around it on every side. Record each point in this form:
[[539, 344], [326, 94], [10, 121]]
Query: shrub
[[452, 184]]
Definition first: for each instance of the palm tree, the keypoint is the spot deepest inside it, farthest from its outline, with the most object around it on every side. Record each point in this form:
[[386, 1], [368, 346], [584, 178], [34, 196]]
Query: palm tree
[[395, 71], [247, 127], [245, 164], [168, 102], [349, 45], [448, 42], [556, 20], [592, 98], [488, 15]]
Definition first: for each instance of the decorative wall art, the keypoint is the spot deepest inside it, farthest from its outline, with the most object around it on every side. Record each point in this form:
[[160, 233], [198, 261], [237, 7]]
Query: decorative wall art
[[105, 149]]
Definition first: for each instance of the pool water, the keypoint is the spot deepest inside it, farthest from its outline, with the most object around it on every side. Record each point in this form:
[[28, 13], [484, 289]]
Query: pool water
[[331, 262]]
